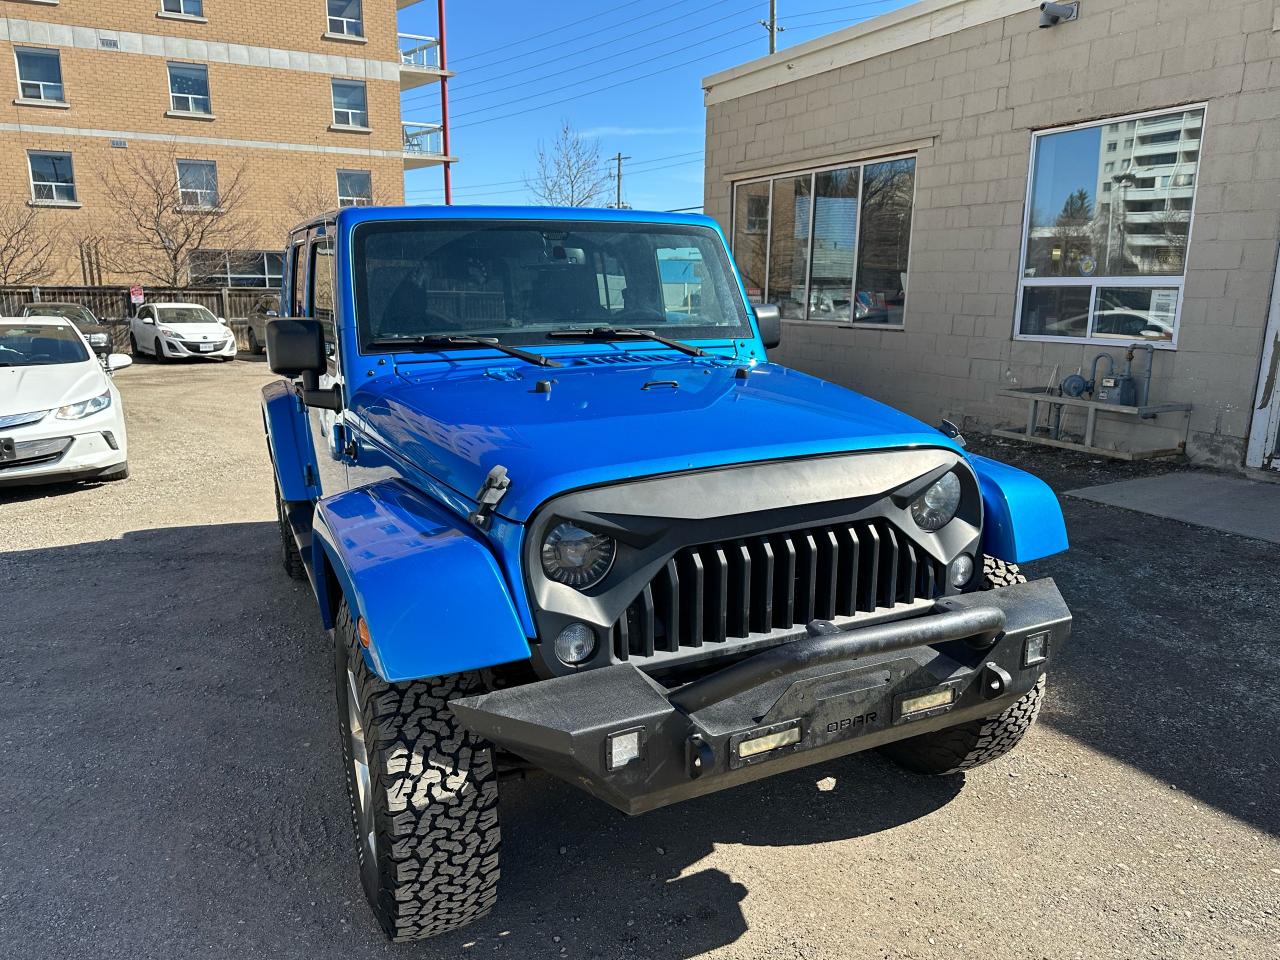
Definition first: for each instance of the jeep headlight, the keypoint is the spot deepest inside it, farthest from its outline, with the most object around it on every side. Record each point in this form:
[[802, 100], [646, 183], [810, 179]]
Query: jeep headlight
[[577, 557], [937, 506], [85, 408]]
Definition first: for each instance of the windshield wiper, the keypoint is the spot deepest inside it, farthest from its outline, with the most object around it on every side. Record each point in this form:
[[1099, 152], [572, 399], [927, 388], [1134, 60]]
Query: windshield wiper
[[608, 333], [443, 342]]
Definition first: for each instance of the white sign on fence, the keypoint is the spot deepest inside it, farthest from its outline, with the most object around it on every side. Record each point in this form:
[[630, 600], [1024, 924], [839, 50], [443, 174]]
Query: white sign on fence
[[136, 295]]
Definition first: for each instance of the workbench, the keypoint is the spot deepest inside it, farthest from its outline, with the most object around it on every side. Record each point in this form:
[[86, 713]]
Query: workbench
[[1035, 396]]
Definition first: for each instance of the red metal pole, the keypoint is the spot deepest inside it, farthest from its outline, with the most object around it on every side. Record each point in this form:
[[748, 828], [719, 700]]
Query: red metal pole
[[444, 111]]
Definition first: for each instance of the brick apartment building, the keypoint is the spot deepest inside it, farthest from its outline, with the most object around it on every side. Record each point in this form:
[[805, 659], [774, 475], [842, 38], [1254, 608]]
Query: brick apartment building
[[286, 108], [949, 202]]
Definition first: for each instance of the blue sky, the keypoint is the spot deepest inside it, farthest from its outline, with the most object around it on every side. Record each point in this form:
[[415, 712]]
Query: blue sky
[[627, 72]]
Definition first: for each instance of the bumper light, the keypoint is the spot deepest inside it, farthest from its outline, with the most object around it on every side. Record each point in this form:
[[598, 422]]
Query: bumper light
[[624, 747], [770, 741], [961, 570], [1036, 649], [576, 643], [927, 701]]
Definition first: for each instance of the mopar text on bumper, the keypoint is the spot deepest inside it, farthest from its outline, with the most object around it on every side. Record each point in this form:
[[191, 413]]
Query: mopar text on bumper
[[637, 745]]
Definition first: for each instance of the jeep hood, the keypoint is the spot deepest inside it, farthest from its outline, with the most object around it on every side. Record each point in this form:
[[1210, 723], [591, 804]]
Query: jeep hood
[[602, 422]]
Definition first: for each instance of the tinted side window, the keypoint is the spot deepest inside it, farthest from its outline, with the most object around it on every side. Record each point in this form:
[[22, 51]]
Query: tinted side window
[[296, 275], [322, 289]]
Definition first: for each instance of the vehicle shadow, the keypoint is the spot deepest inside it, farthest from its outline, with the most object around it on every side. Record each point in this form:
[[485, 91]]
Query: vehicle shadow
[[170, 739]]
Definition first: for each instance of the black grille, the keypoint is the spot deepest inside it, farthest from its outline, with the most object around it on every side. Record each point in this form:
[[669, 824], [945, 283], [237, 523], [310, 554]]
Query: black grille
[[718, 592]]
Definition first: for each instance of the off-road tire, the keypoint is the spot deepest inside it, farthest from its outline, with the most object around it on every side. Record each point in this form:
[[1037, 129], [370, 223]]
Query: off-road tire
[[433, 866], [972, 744], [292, 559]]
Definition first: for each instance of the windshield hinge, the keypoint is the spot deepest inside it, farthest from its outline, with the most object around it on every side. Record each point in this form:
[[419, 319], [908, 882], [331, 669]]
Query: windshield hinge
[[490, 495]]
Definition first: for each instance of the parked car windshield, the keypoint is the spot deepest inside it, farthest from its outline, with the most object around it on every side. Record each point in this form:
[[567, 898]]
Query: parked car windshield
[[520, 281], [40, 344], [191, 314], [72, 311]]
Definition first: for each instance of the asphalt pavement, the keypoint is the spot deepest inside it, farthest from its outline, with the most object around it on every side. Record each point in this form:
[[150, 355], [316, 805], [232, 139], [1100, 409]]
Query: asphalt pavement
[[171, 784]]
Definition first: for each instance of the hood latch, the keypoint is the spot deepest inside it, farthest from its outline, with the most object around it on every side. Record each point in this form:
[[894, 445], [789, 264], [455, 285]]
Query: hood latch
[[490, 495]]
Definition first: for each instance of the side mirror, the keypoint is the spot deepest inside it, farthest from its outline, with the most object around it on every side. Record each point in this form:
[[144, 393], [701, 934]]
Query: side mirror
[[223, 321], [118, 361], [769, 320], [271, 314], [295, 349]]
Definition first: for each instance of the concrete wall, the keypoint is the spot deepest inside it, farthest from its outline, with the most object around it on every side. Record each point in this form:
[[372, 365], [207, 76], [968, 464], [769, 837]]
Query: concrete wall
[[270, 71], [967, 101]]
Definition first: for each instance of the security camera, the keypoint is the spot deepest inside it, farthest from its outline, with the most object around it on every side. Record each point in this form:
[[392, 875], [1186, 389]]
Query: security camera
[[1051, 14]]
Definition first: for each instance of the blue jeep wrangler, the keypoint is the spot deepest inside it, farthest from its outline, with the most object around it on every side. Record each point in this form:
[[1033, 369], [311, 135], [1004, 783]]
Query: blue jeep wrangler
[[559, 510]]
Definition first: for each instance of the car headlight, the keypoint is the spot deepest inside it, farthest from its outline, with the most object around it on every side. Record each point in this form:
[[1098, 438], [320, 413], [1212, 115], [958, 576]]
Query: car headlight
[[85, 408], [164, 332], [577, 557], [937, 506]]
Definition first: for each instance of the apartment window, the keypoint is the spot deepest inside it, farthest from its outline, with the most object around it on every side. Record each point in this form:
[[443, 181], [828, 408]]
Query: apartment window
[[355, 188], [1094, 272], [259, 269], [53, 178], [186, 8], [198, 183], [40, 75], [829, 244], [345, 18], [350, 104], [189, 88]]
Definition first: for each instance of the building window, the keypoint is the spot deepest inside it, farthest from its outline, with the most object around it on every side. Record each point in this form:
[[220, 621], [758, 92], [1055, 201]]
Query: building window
[[189, 88], [345, 18], [198, 184], [829, 244], [237, 268], [185, 8], [355, 188], [1094, 272], [53, 178], [40, 75], [350, 105]]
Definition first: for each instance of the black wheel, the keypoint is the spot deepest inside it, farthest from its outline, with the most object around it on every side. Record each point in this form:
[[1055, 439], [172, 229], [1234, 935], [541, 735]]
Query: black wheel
[[133, 345], [972, 744], [254, 347], [424, 796], [159, 351], [116, 473], [293, 564]]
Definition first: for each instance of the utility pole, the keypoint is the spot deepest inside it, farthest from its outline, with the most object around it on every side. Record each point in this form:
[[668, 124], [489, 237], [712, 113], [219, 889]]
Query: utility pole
[[618, 159], [444, 109], [772, 26]]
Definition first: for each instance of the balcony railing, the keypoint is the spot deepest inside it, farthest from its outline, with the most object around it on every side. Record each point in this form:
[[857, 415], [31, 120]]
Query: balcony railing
[[423, 139], [418, 52]]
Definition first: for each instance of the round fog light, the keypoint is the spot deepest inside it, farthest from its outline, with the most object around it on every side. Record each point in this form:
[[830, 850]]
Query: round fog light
[[961, 570], [576, 643]]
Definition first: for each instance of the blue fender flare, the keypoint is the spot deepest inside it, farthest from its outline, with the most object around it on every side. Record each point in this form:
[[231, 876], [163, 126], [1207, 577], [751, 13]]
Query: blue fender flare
[[1022, 519], [427, 586], [288, 440]]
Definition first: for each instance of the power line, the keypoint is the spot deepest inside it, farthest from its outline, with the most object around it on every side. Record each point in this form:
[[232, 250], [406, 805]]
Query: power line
[[525, 78], [504, 193], [564, 26], [637, 167]]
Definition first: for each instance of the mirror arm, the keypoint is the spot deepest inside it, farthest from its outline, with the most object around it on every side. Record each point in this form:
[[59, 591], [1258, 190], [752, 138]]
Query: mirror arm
[[308, 388]]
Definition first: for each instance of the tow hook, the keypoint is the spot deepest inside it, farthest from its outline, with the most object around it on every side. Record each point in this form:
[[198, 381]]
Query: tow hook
[[995, 681], [701, 756]]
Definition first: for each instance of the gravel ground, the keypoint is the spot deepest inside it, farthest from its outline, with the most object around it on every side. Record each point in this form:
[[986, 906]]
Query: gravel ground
[[171, 785]]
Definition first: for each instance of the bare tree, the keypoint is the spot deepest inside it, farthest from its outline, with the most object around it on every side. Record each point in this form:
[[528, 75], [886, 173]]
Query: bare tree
[[569, 172], [159, 223], [309, 197], [28, 245]]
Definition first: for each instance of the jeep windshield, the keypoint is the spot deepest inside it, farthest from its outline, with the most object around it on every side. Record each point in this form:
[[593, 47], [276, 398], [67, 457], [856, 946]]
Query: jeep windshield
[[541, 282]]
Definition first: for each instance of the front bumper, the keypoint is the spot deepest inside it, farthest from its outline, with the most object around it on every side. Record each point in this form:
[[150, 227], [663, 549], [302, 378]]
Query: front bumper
[[182, 348], [834, 693], [55, 450]]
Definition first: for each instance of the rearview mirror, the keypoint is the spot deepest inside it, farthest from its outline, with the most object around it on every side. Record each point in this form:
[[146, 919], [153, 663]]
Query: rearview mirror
[[769, 320], [295, 348]]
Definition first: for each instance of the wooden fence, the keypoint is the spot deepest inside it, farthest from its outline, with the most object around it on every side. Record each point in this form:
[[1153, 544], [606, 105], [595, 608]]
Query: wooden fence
[[113, 303]]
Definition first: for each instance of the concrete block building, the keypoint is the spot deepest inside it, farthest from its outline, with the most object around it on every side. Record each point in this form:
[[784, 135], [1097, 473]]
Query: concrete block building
[[949, 201], [299, 100]]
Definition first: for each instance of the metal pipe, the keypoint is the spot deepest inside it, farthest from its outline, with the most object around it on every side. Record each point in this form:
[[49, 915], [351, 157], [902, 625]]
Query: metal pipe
[[824, 647], [444, 110], [1093, 371], [1146, 374]]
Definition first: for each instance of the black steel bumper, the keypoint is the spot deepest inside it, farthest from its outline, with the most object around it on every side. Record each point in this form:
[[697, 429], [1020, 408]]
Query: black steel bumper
[[832, 693]]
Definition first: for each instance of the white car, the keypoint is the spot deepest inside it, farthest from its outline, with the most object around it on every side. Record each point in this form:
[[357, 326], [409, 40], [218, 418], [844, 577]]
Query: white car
[[171, 330], [60, 413]]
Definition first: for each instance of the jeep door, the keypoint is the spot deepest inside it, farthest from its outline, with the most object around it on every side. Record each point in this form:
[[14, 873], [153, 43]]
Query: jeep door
[[328, 432]]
